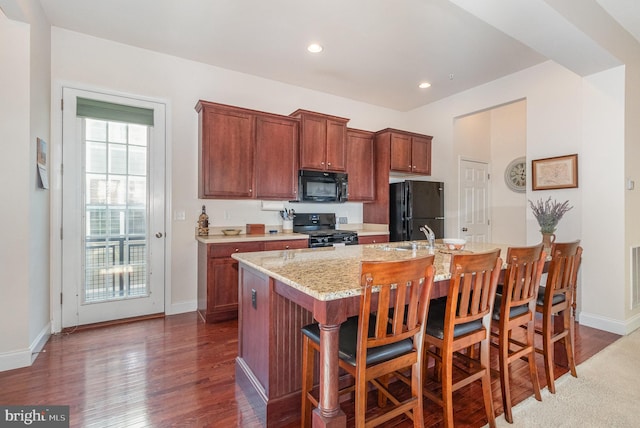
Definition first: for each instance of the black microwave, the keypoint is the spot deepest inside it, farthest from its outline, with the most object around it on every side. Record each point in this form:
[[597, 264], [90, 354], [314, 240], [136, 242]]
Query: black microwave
[[318, 186]]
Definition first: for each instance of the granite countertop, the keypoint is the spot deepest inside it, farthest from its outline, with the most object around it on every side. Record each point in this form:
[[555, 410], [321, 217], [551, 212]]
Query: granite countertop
[[242, 237], [330, 273], [216, 236]]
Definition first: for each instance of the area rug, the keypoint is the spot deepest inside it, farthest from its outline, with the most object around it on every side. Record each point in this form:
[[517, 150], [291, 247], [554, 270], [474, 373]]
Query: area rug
[[605, 394]]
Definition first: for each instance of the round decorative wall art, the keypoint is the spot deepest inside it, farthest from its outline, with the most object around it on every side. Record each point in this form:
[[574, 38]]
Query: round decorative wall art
[[515, 175]]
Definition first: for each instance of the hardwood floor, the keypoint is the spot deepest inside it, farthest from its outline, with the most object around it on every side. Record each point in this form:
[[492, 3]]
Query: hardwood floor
[[179, 372]]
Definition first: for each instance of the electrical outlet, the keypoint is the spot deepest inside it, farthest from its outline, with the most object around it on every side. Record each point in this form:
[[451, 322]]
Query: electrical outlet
[[342, 220]]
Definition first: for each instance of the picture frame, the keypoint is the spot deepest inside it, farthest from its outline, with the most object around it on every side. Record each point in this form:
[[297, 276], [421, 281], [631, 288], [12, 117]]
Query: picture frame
[[41, 162], [560, 172]]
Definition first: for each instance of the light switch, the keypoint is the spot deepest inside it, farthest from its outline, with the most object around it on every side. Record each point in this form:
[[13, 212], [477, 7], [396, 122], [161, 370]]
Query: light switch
[[179, 215]]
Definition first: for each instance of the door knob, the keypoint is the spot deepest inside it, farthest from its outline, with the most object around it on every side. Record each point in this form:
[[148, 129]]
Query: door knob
[[159, 235], [464, 229]]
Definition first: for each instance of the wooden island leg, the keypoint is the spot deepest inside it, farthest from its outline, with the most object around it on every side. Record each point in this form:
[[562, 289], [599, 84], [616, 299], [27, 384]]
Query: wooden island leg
[[328, 413]]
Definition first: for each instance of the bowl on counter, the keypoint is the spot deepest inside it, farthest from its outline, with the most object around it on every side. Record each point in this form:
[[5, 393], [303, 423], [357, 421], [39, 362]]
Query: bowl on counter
[[231, 232], [454, 243]]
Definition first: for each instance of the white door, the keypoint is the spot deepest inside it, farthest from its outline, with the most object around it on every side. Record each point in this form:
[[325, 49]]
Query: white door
[[474, 201], [113, 221]]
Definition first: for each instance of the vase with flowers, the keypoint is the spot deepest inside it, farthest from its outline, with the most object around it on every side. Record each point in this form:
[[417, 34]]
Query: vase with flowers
[[548, 213]]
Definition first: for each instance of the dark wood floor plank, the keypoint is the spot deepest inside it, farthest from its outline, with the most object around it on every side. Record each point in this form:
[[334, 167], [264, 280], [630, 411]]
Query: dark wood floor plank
[[179, 372]]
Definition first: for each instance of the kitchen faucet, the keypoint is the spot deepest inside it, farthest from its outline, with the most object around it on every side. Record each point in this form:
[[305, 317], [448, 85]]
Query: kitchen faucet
[[431, 237]]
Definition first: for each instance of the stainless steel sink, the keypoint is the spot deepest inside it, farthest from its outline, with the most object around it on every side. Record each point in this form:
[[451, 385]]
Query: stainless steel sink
[[404, 247]]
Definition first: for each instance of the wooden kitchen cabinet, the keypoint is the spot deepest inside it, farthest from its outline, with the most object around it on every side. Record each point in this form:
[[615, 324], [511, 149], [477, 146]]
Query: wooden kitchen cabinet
[[377, 212], [247, 153], [226, 151], [360, 165], [290, 244], [276, 166], [322, 141], [409, 152], [373, 239], [218, 279], [218, 275]]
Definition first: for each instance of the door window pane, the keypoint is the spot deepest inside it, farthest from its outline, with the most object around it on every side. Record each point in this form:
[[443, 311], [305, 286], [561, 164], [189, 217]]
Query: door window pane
[[115, 211], [117, 159]]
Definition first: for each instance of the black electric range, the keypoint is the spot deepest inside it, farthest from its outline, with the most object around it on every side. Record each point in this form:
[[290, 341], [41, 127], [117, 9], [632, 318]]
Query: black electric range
[[321, 229]]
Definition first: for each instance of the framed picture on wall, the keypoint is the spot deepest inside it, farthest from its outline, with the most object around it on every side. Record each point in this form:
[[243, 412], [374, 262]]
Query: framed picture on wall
[[560, 172], [41, 161]]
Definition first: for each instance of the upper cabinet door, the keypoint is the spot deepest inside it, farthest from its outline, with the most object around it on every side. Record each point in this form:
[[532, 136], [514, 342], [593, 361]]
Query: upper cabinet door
[[313, 143], [410, 152], [421, 155], [360, 165], [276, 158], [226, 152], [401, 152], [336, 145], [322, 141]]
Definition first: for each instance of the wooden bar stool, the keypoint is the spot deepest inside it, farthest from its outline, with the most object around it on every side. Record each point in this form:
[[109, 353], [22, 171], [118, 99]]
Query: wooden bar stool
[[380, 342], [514, 309], [557, 298], [459, 321]]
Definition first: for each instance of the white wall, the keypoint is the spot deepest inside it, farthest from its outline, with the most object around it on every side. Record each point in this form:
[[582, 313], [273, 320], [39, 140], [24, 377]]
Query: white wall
[[24, 223], [39, 211], [86, 61], [508, 142], [554, 127], [604, 290], [495, 136], [14, 222], [472, 142]]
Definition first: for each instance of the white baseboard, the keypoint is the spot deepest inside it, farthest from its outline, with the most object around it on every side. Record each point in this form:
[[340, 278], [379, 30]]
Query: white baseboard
[[181, 307], [40, 341], [15, 359], [25, 357], [604, 323]]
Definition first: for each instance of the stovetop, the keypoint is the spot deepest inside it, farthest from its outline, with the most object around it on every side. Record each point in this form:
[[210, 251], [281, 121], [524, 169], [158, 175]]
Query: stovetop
[[328, 232], [321, 230]]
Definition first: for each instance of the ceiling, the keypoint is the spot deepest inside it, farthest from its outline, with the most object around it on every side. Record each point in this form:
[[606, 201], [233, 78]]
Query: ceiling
[[375, 51]]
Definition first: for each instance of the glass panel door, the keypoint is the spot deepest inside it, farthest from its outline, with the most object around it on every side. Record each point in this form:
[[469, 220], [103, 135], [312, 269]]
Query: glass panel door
[[113, 211]]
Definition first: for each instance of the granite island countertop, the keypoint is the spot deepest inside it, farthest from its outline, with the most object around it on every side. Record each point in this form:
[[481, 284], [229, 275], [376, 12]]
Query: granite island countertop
[[330, 273]]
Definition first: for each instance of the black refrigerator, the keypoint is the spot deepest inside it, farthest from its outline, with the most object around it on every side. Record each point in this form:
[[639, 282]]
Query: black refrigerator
[[413, 204]]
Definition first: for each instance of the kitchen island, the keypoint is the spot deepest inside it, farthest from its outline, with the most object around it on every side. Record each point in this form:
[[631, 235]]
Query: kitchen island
[[280, 292]]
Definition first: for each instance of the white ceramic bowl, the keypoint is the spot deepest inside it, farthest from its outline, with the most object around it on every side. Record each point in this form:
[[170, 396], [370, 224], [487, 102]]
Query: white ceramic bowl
[[454, 243]]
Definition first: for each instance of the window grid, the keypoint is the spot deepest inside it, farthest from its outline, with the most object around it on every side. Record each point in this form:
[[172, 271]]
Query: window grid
[[115, 262]]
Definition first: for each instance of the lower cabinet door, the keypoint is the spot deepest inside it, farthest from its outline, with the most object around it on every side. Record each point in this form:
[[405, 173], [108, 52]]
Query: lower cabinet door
[[223, 289]]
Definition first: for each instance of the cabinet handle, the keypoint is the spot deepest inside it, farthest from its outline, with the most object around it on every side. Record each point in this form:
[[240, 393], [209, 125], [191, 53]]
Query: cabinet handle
[[328, 163], [286, 247], [250, 190], [237, 249], [321, 163]]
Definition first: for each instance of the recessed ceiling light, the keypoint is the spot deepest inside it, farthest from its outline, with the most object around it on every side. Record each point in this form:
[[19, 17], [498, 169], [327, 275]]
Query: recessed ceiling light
[[314, 48], [424, 85]]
